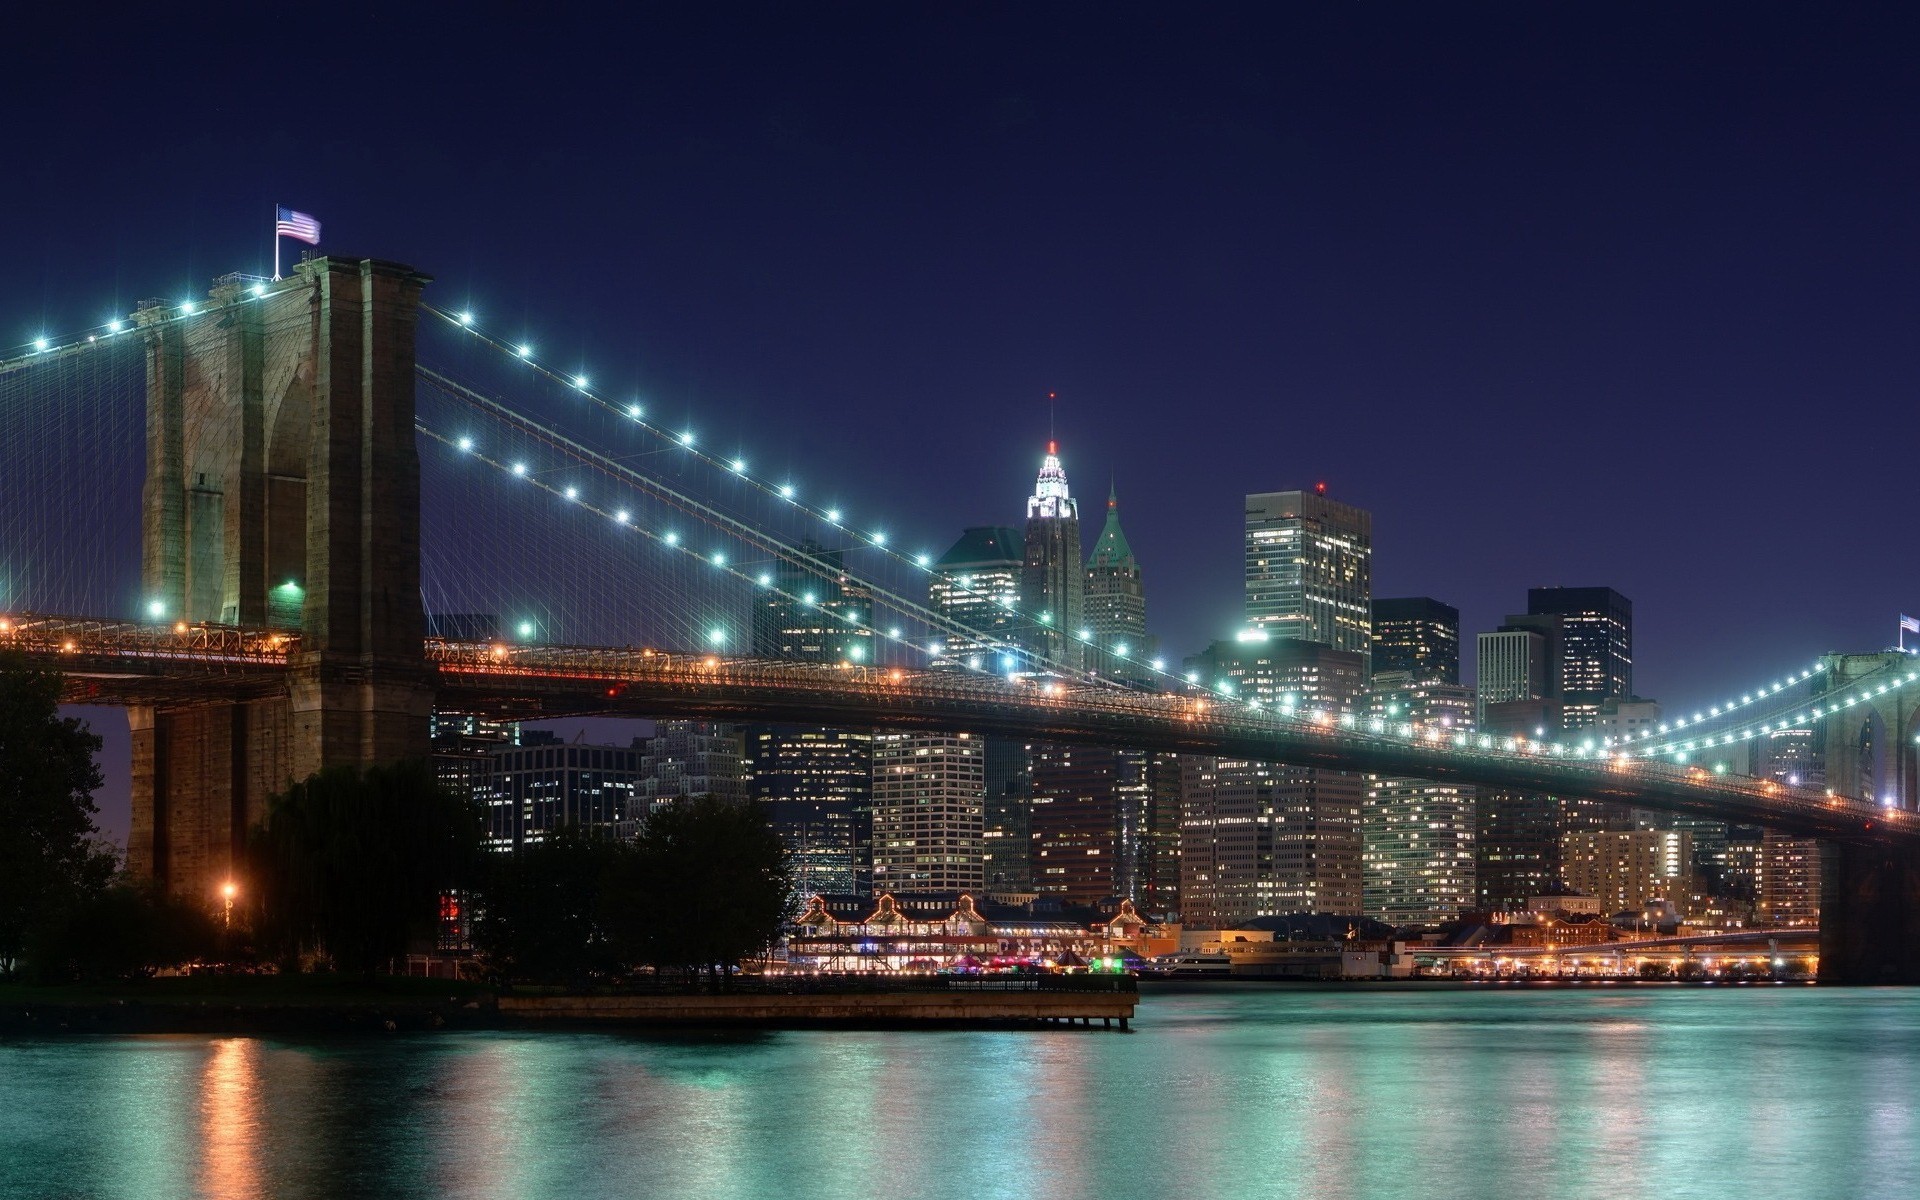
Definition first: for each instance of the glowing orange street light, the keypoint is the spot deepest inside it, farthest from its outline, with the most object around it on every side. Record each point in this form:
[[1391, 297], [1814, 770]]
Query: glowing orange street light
[[227, 892]]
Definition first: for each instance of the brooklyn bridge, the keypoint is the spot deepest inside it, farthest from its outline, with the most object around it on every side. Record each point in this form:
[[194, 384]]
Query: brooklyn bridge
[[337, 475]]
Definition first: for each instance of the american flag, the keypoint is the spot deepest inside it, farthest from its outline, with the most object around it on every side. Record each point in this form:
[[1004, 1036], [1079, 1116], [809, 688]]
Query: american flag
[[297, 225], [1910, 624]]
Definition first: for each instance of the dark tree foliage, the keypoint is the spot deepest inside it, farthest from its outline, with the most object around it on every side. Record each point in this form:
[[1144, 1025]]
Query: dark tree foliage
[[705, 885], [714, 884], [351, 864], [123, 933], [50, 856], [541, 918]]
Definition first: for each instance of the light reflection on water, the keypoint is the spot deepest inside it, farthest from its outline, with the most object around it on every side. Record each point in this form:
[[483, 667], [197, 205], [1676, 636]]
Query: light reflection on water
[[1228, 1092]]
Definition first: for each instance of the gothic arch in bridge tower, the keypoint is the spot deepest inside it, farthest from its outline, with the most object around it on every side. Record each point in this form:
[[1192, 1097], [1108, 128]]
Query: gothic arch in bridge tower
[[289, 442], [1868, 746]]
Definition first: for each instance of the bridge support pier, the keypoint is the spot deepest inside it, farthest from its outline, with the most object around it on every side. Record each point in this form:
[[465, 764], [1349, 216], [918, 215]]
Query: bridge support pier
[[283, 488], [1869, 913]]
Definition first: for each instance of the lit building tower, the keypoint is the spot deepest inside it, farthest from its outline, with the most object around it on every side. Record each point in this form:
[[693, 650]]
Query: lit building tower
[[540, 785], [1053, 576], [1309, 567], [1260, 839], [1418, 865], [1008, 824], [1116, 602], [976, 584], [1417, 635], [1596, 647], [1105, 826], [814, 782], [815, 785], [1514, 682], [928, 790], [814, 612]]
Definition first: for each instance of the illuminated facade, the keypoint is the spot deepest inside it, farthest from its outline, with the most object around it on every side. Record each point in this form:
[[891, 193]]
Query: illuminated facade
[[1076, 822], [1628, 868], [1417, 636], [1309, 570], [1053, 574], [1595, 660], [1258, 840], [1417, 865], [929, 792], [533, 789], [1279, 673], [814, 612], [692, 758], [816, 787], [1514, 666], [976, 583], [1789, 884]]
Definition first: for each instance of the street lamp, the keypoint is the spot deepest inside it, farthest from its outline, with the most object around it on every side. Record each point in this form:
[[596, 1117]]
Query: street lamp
[[227, 892]]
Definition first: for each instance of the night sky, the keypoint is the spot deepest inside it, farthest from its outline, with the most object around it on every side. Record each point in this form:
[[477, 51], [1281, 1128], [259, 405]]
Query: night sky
[[1563, 294]]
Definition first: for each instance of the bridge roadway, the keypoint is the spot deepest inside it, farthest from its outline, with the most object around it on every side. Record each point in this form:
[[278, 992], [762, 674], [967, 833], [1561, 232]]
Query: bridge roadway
[[118, 662]]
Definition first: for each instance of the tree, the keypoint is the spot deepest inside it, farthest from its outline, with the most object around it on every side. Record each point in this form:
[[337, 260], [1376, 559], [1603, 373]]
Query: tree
[[351, 864], [50, 855], [122, 933], [714, 883], [542, 909]]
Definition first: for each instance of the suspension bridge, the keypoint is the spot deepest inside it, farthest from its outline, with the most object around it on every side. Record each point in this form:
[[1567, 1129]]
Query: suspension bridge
[[353, 507]]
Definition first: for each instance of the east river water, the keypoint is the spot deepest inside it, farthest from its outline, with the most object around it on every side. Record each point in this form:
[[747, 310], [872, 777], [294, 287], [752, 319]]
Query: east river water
[[1220, 1091]]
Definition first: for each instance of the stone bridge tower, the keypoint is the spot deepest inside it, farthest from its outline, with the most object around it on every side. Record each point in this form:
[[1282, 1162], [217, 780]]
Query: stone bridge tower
[[1870, 895], [282, 492], [1869, 747]]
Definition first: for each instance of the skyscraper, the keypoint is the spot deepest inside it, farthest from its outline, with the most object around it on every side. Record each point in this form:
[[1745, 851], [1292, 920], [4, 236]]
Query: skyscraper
[[977, 584], [1007, 827], [815, 782], [531, 790], [1116, 602], [1279, 672], [815, 611], [1261, 840], [1514, 668], [1626, 868], [1105, 825], [816, 786], [928, 790], [1418, 864], [1596, 647], [1309, 569], [1053, 574], [1257, 838], [1417, 635], [1076, 822]]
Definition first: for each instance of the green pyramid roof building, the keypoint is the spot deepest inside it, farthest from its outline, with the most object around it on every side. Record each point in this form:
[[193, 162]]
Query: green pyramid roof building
[[1111, 549]]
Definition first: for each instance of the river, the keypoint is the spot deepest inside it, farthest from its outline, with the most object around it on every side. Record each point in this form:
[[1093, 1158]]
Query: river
[[1221, 1091]]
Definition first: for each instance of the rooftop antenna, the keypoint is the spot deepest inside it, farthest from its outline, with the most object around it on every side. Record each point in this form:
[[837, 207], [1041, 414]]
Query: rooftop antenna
[[1053, 412]]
